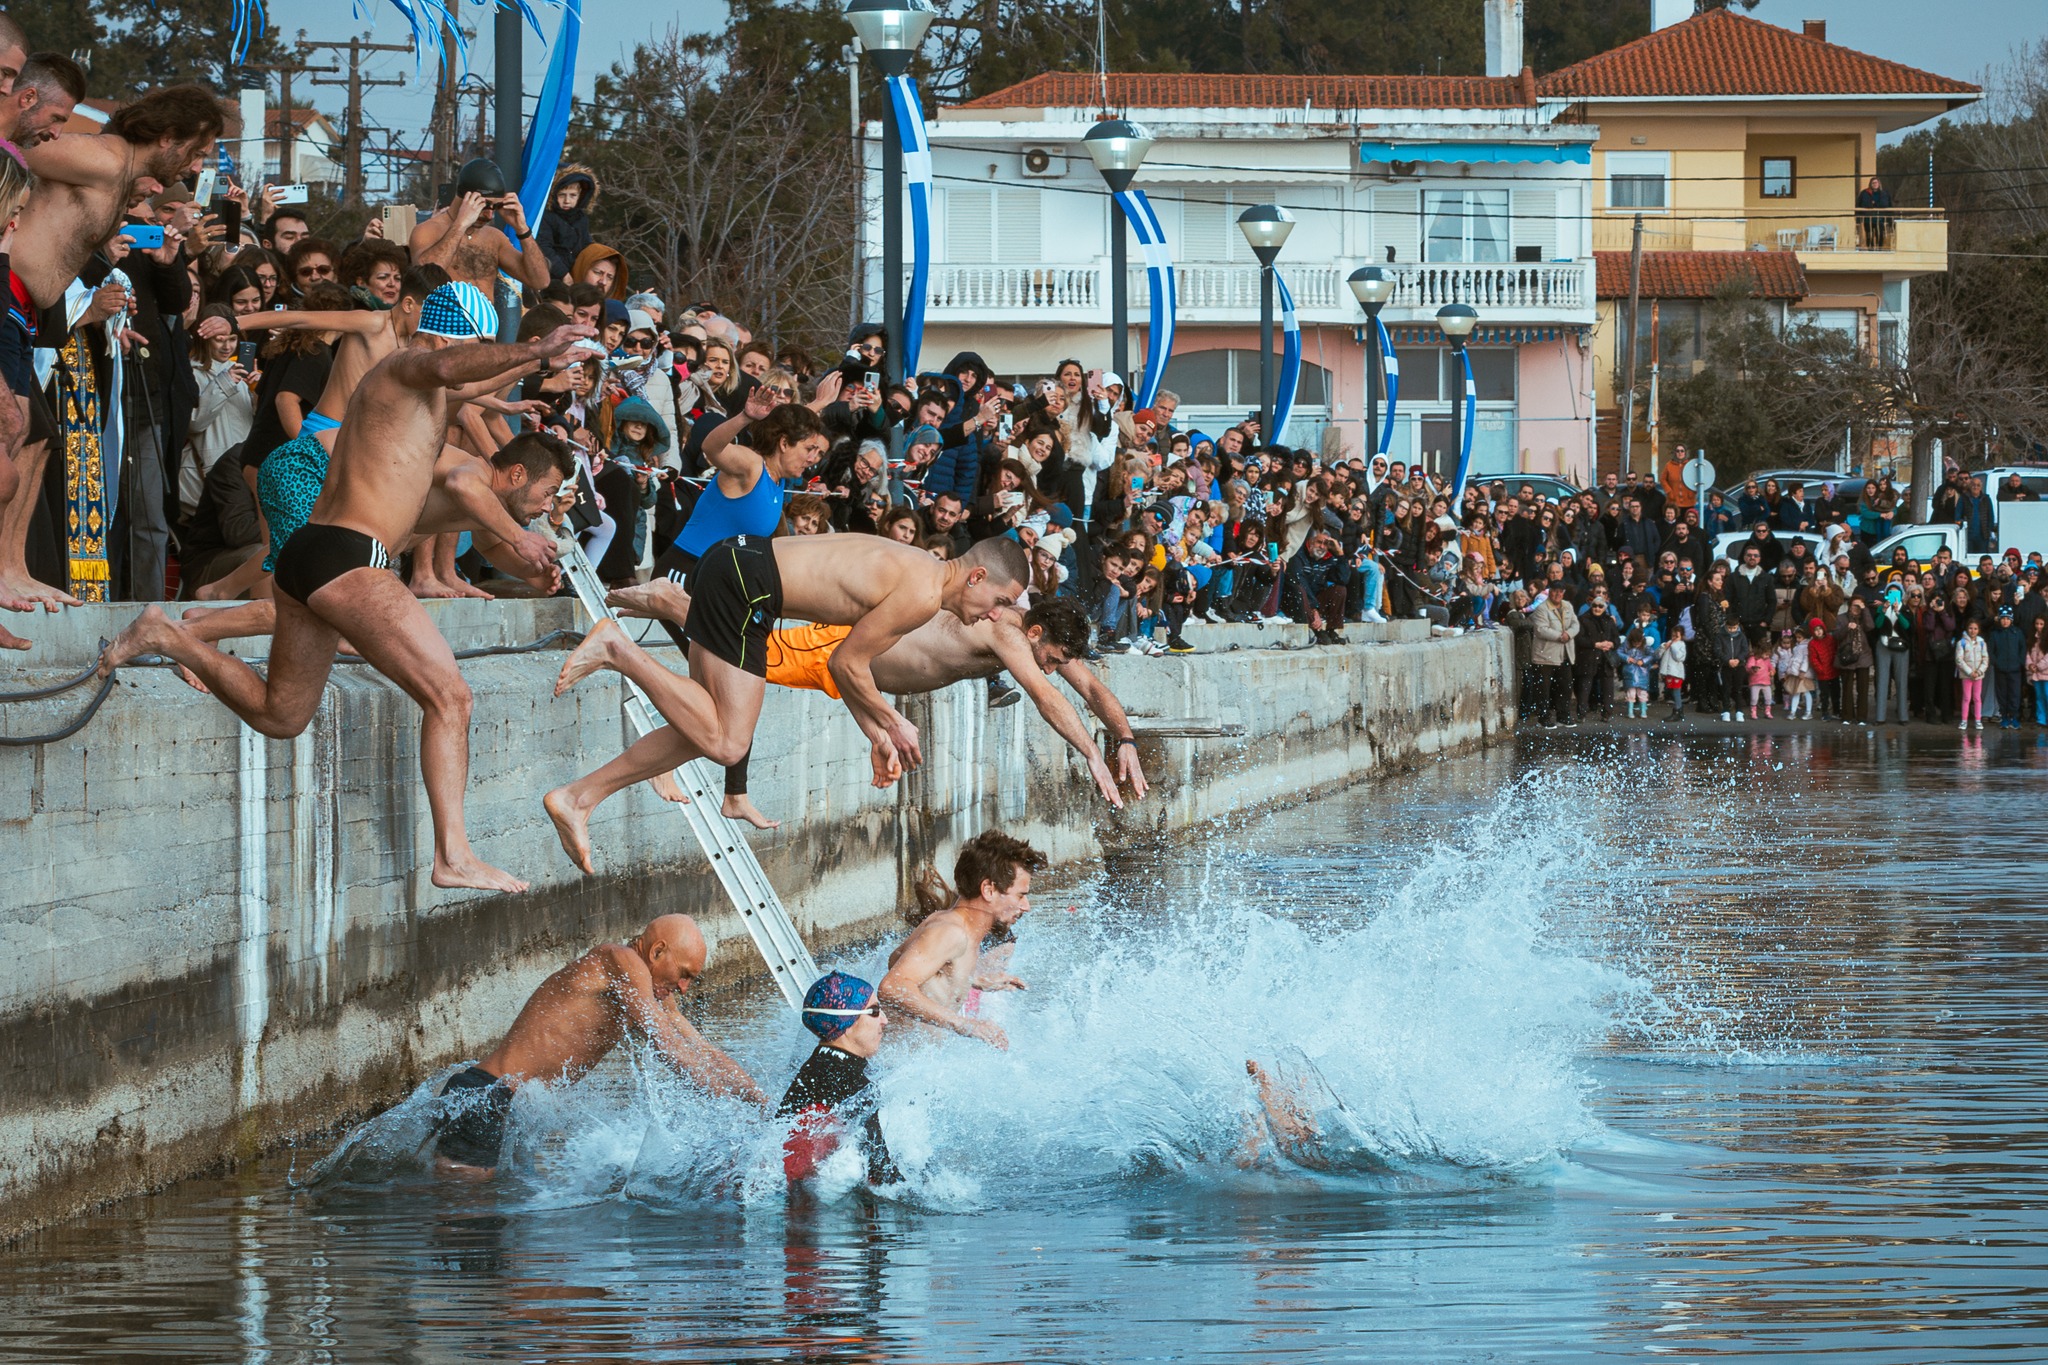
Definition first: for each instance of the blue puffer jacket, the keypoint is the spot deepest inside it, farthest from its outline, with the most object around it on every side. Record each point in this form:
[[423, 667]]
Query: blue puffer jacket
[[2008, 649], [958, 469]]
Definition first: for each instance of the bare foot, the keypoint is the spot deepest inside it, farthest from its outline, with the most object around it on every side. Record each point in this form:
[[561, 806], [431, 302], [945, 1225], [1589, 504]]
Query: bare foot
[[594, 653], [199, 613], [740, 806], [9, 640], [430, 588], [572, 826], [658, 597], [146, 634], [668, 789], [464, 588], [473, 871], [189, 676], [19, 592]]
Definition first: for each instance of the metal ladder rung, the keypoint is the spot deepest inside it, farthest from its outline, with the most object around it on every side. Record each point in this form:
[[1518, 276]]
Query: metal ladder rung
[[732, 859]]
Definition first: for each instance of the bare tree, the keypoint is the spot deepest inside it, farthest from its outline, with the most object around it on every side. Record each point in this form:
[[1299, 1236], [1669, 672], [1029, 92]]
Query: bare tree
[[715, 182]]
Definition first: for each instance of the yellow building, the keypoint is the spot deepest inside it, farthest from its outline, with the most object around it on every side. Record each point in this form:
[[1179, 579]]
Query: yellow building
[[1726, 135]]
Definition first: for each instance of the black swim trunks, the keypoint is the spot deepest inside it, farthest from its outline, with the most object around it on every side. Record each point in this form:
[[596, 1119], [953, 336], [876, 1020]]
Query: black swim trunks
[[472, 1125], [675, 565], [317, 554], [735, 598], [17, 361]]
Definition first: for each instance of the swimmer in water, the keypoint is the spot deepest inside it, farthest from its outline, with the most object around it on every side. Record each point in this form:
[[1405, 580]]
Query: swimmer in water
[[572, 1022], [832, 1092], [932, 971]]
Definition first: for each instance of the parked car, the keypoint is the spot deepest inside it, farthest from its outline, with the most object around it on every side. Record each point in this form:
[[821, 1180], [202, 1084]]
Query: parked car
[[1921, 542], [1728, 544], [1545, 485]]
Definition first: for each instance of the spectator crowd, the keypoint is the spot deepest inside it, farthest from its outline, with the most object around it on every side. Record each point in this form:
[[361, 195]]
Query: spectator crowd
[[161, 386]]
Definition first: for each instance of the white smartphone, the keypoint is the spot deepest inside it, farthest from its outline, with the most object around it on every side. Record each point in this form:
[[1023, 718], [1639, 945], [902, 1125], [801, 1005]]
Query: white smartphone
[[291, 194], [202, 192]]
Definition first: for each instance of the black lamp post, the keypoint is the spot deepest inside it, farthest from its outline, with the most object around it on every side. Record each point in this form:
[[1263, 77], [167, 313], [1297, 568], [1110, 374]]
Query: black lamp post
[[1118, 148], [890, 30], [1372, 286], [1265, 228], [1457, 321]]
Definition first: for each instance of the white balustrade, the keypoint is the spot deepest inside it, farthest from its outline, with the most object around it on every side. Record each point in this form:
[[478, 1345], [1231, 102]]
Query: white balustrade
[[1002, 288], [1561, 286]]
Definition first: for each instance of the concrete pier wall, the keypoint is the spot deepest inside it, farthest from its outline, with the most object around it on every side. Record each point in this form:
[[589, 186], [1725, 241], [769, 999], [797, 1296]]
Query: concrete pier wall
[[211, 942]]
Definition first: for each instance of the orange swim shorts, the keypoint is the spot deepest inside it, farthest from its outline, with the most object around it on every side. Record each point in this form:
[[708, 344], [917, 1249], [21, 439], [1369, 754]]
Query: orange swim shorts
[[798, 655]]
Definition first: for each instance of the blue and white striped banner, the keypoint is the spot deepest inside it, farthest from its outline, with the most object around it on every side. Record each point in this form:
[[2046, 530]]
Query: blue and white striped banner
[[1393, 369], [1290, 363], [1471, 420], [1160, 285], [426, 18], [917, 176], [550, 126]]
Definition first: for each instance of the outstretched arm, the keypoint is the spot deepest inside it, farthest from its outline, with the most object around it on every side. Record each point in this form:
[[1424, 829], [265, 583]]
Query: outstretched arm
[[1097, 697], [680, 1045], [76, 160], [467, 482], [921, 959], [453, 366], [1015, 652]]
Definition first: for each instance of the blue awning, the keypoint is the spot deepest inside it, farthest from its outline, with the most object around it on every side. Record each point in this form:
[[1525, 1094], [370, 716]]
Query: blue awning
[[1568, 153]]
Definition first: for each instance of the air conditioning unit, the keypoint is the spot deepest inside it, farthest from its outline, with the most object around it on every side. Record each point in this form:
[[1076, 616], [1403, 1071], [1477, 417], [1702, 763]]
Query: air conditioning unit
[[1043, 161]]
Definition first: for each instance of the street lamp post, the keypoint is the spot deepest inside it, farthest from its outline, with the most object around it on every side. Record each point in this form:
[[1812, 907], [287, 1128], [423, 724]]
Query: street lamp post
[[1265, 228], [1372, 286], [1457, 321], [890, 30], [1118, 148]]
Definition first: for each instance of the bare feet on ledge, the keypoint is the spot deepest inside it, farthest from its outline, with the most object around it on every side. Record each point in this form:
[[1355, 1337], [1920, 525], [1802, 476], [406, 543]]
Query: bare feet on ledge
[[19, 592], [658, 597], [740, 806], [587, 658], [146, 634], [572, 826]]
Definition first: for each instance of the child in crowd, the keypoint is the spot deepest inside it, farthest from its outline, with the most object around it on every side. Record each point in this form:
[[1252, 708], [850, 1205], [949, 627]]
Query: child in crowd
[[1731, 649], [1973, 661], [1635, 672], [1820, 658], [1671, 668], [1794, 666], [2037, 667], [2008, 669], [1762, 667]]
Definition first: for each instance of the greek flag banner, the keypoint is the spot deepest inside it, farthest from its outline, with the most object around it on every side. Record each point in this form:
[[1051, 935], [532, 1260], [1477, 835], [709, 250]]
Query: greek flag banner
[[1290, 362], [1465, 445], [1160, 283], [917, 177], [1393, 369]]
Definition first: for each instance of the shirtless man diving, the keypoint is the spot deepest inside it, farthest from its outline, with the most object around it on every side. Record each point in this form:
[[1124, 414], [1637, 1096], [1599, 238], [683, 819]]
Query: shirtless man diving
[[1052, 637], [83, 186], [932, 971], [333, 580], [883, 589], [572, 1022], [464, 239]]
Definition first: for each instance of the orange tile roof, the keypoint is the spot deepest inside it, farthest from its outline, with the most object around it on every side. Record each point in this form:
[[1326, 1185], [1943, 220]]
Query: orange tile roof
[[1185, 90], [1698, 274], [1723, 53]]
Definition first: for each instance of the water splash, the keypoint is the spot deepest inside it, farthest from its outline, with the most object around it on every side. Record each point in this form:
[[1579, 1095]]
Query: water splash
[[1435, 1023]]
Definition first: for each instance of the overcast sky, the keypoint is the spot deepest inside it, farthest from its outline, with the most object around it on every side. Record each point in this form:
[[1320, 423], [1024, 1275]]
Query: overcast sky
[[1960, 38]]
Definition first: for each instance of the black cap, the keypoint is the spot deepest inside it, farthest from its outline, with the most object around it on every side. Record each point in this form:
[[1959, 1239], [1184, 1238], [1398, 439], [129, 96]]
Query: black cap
[[480, 176]]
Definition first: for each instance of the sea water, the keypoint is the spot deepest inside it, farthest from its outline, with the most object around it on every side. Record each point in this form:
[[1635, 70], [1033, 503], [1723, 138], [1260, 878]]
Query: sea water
[[1612, 1047]]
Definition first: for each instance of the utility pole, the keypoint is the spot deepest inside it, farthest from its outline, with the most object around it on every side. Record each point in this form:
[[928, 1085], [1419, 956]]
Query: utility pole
[[441, 169], [285, 71], [1635, 298], [357, 82]]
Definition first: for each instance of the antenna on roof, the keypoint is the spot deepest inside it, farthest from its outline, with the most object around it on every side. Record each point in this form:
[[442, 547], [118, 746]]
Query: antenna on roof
[[1102, 52]]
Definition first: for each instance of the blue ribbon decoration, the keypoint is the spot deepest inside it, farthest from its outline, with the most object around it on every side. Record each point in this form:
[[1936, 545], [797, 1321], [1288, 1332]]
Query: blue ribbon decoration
[[1465, 445], [1393, 373], [550, 126], [1160, 286], [426, 19], [1290, 362], [917, 178]]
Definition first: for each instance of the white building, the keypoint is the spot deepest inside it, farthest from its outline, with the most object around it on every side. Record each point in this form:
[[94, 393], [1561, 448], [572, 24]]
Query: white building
[[1480, 196]]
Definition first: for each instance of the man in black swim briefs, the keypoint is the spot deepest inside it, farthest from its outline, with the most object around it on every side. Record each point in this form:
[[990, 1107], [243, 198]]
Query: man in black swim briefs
[[333, 579], [572, 1022]]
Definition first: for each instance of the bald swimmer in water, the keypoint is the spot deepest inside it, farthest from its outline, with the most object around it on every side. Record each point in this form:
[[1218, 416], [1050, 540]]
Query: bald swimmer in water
[[572, 1022]]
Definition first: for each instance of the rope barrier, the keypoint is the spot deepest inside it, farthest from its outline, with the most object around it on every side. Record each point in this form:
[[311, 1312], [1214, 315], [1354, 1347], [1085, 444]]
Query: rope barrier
[[550, 640]]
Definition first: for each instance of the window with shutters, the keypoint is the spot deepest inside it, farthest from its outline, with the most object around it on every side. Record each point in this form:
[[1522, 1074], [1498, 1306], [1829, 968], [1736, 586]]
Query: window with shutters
[[1535, 225], [987, 224], [1209, 222], [1638, 180], [1396, 223]]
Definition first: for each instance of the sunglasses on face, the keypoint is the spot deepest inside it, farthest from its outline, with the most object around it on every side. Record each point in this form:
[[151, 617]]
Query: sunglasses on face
[[778, 391], [637, 344], [318, 272]]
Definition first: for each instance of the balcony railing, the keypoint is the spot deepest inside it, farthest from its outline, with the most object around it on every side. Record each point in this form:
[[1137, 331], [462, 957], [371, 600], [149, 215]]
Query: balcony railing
[[1220, 291], [1912, 232]]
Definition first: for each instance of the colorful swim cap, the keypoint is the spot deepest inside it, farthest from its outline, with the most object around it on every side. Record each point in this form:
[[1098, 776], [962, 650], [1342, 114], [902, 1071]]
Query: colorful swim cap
[[458, 310], [834, 1002]]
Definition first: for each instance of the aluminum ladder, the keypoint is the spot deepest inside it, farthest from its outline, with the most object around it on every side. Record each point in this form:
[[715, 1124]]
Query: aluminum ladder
[[722, 839]]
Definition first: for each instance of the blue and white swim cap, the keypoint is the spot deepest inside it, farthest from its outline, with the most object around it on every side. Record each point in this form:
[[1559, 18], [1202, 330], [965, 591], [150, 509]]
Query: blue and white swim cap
[[458, 310]]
